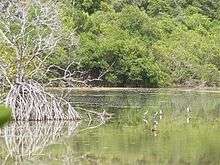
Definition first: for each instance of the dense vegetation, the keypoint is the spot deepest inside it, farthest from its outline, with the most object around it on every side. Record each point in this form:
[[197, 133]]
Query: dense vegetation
[[147, 43], [5, 114]]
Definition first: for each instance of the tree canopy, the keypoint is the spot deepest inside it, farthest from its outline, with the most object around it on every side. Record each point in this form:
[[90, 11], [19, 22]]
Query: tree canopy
[[141, 43]]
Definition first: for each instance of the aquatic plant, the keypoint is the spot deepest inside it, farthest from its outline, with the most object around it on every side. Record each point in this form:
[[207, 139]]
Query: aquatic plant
[[5, 114]]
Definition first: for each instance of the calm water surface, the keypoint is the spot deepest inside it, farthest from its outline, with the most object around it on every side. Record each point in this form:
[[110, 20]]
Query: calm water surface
[[126, 138]]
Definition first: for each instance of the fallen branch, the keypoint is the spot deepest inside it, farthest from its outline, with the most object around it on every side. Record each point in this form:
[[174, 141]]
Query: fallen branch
[[102, 118]]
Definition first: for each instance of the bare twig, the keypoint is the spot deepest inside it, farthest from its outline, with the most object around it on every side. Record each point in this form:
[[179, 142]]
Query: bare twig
[[35, 38]]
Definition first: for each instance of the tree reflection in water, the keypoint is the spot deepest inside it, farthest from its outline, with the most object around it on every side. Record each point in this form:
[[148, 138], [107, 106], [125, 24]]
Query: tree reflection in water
[[23, 139]]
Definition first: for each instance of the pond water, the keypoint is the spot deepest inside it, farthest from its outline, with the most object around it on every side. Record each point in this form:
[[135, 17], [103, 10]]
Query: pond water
[[187, 133]]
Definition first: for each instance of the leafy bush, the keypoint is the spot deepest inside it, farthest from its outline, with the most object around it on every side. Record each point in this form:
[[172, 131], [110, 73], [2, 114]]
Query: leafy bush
[[146, 43], [5, 114]]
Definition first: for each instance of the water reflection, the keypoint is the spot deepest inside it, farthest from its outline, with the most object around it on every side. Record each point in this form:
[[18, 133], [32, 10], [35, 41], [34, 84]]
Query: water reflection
[[188, 131], [23, 139]]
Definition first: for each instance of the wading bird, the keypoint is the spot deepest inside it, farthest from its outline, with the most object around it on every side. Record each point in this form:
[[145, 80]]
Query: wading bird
[[188, 115]]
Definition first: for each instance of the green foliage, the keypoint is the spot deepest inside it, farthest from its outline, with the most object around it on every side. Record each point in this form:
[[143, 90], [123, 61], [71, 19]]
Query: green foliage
[[126, 56], [5, 114], [148, 43], [91, 6], [188, 56]]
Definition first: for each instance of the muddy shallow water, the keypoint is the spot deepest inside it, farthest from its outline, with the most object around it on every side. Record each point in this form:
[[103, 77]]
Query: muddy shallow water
[[181, 137]]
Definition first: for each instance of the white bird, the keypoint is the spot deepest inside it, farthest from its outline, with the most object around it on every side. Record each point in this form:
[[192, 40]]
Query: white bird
[[188, 110], [188, 116], [160, 114], [155, 115], [155, 125], [145, 119]]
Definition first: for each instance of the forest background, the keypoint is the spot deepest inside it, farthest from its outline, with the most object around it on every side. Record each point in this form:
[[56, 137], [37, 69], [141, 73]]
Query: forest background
[[139, 43]]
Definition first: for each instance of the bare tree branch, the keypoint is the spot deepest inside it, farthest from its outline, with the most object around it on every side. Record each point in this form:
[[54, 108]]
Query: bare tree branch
[[33, 30]]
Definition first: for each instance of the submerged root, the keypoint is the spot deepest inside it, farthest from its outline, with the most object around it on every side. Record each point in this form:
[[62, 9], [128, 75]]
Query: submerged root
[[30, 102]]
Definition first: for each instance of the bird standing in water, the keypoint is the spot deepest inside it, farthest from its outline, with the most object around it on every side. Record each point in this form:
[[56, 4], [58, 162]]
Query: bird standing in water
[[160, 114], [155, 126], [188, 115], [188, 110], [145, 119]]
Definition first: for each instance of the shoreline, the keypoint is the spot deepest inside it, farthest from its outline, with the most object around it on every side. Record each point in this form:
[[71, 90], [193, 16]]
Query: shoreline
[[183, 89]]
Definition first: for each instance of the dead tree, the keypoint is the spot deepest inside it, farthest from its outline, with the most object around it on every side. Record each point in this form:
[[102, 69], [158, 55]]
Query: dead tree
[[29, 34]]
